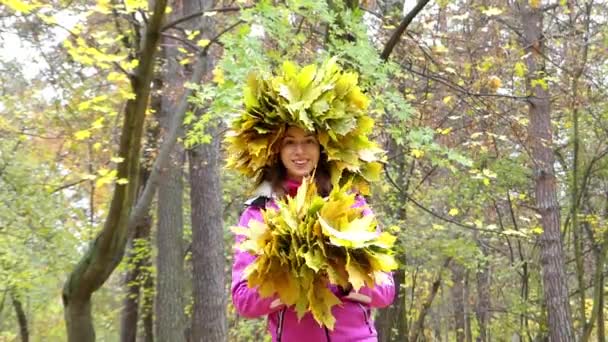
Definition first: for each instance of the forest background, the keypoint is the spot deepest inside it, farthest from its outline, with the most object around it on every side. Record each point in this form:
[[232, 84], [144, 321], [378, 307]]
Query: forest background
[[115, 204]]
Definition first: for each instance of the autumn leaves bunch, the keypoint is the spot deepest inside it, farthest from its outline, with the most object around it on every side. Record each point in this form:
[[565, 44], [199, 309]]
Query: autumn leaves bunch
[[324, 99], [310, 242]]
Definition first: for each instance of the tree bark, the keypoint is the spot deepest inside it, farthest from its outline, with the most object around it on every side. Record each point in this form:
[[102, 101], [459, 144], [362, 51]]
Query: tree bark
[[540, 138], [21, 318], [208, 261], [467, 314], [483, 303], [417, 327], [169, 303], [132, 282], [458, 301], [108, 248], [209, 316], [147, 304]]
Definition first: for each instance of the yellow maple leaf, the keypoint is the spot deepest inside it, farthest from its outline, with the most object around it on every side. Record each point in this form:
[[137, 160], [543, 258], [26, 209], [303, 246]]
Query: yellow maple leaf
[[82, 134], [321, 301], [416, 153], [19, 6]]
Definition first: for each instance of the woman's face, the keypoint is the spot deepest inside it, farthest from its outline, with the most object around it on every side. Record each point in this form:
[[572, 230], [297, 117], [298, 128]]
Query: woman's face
[[299, 152]]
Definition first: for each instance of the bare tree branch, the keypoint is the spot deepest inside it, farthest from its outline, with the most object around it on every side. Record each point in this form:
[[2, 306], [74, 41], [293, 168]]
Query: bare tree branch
[[392, 42], [198, 14]]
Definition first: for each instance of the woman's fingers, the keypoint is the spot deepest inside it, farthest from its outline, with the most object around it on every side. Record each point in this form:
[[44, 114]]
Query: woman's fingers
[[276, 303], [357, 297]]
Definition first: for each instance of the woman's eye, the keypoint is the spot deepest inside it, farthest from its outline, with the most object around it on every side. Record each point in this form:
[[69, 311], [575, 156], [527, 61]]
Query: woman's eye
[[311, 142], [288, 142]]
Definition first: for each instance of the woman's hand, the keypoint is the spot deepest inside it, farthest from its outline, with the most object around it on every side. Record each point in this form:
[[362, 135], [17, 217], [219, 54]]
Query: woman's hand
[[357, 297], [348, 293], [275, 303]]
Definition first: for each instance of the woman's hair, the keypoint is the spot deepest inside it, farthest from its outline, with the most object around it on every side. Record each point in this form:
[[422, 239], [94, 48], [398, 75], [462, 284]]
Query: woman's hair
[[276, 175]]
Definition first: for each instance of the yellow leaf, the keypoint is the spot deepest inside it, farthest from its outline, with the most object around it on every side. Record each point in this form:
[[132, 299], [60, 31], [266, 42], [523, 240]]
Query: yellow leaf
[[117, 160], [537, 230], [321, 301], [203, 42], [438, 227], [122, 181], [84, 105], [114, 76], [416, 153], [453, 212], [133, 5], [444, 131], [489, 173], [382, 262], [494, 83], [520, 69], [19, 6], [287, 287], [218, 77], [535, 3], [98, 123], [440, 48], [492, 11], [357, 275], [83, 134]]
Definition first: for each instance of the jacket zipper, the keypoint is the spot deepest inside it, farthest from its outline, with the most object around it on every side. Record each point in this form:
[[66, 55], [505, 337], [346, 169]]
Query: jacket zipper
[[280, 325], [365, 317]]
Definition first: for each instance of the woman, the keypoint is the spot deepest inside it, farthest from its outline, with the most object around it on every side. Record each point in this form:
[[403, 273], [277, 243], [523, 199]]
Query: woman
[[300, 153]]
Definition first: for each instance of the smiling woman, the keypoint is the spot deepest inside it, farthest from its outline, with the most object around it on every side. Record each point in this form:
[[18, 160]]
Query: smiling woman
[[319, 129], [300, 152]]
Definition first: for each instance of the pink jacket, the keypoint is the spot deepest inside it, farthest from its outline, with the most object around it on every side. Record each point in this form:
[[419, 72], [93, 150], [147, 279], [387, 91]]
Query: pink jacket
[[353, 319]]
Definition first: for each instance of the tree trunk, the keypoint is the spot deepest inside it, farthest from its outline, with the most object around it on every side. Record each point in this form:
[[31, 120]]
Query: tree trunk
[[107, 250], [169, 303], [458, 301], [132, 282], [147, 304], [601, 329], [467, 314], [483, 303], [209, 315], [208, 261], [21, 318], [540, 136], [417, 328]]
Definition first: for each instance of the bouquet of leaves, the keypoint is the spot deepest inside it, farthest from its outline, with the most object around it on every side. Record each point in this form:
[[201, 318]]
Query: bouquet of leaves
[[312, 241]]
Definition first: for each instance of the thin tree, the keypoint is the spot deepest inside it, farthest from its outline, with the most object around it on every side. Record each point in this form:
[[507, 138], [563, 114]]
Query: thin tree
[[540, 135]]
